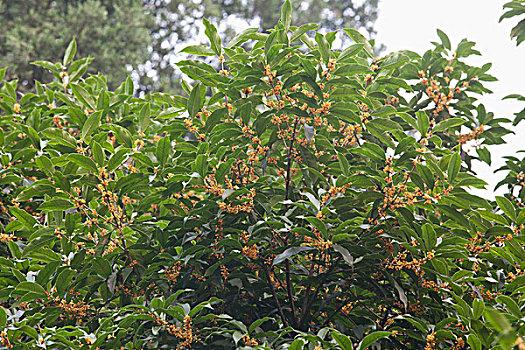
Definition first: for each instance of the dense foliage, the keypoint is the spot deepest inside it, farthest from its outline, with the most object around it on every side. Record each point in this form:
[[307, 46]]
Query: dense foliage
[[298, 198]]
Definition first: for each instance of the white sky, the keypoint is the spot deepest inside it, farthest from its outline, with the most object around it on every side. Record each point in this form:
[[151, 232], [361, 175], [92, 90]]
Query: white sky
[[411, 25]]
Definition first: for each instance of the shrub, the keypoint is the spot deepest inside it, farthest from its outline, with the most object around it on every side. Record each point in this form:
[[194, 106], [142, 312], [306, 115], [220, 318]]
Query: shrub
[[299, 197]]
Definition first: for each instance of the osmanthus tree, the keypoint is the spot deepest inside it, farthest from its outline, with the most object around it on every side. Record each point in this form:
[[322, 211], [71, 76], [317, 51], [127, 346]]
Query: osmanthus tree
[[299, 198]]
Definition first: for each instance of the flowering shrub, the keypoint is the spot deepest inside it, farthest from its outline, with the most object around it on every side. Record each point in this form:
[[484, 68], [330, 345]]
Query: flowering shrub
[[300, 197]]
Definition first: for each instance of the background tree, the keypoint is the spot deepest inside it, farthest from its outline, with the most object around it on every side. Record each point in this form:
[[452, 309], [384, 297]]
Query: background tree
[[114, 31]]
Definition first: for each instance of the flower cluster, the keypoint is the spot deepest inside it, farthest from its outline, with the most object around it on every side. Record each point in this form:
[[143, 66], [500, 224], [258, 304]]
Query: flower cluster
[[464, 138], [75, 310], [400, 262], [249, 341], [431, 341], [6, 237], [171, 273], [185, 333], [250, 252], [4, 340]]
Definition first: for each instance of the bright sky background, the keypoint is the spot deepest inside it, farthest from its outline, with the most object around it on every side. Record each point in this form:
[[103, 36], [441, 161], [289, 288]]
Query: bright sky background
[[411, 25]]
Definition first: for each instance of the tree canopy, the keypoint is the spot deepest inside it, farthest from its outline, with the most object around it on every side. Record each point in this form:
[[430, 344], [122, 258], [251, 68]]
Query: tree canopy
[[298, 197]]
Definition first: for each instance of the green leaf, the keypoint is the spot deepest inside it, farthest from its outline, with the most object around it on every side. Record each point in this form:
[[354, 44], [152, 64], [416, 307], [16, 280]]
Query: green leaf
[[384, 124], [296, 35], [2, 74], [3, 317], [98, 153], [297, 344], [83, 96], [24, 217], [144, 116], [429, 237], [423, 123], [324, 48], [30, 331], [478, 307], [215, 118], [350, 51], [474, 341], [45, 273], [318, 224], [347, 257], [163, 150], [91, 124], [243, 36], [211, 33], [31, 287], [63, 279], [60, 136], [123, 134], [195, 101], [45, 164], [38, 243], [510, 305], [372, 338], [117, 159], [201, 165], [444, 39], [257, 323], [498, 321], [448, 123], [289, 253], [484, 155], [70, 52], [343, 162], [56, 204], [408, 119], [359, 39], [129, 87], [342, 340], [507, 207], [83, 161], [200, 50], [47, 65], [286, 14], [351, 70], [454, 165]]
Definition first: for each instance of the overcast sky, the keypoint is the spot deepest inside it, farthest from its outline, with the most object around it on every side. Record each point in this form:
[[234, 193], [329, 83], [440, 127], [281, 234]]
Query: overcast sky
[[411, 25]]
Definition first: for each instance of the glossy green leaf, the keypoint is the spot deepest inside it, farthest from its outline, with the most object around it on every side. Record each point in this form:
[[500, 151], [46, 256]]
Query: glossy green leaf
[[289, 253], [163, 150], [444, 39], [83, 161], [507, 207], [56, 204], [91, 124], [454, 166], [286, 14], [195, 101], [70, 52], [372, 338], [83, 96], [213, 36]]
